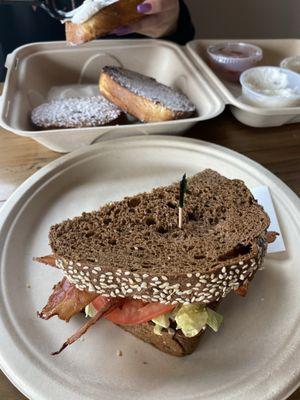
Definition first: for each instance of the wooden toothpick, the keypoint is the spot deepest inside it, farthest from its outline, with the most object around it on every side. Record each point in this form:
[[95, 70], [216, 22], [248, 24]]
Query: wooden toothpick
[[183, 189]]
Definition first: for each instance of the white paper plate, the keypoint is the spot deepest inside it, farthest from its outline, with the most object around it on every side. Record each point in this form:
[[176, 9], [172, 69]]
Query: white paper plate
[[254, 356]]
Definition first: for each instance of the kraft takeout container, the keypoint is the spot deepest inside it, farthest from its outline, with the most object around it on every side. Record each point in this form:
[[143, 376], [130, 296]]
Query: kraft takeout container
[[40, 72]]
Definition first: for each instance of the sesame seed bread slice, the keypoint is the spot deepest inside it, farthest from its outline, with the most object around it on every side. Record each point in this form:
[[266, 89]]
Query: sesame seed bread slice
[[134, 248], [144, 97]]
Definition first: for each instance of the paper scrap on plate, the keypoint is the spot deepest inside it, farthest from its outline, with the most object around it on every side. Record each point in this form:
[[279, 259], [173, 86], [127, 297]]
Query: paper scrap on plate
[[263, 196]]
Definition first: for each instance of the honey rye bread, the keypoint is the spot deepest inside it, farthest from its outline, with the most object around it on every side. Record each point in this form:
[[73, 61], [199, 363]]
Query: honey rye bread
[[121, 13], [171, 341], [144, 97], [134, 248]]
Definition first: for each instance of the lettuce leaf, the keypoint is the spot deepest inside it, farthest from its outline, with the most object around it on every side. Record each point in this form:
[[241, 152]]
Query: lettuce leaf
[[214, 320], [191, 319], [90, 310]]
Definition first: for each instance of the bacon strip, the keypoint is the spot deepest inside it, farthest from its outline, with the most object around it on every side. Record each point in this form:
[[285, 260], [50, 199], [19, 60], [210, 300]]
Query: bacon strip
[[66, 301], [47, 260], [112, 304], [271, 236]]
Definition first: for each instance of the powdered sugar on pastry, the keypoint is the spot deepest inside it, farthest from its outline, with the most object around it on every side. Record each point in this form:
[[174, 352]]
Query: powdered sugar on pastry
[[75, 112], [89, 8], [149, 88]]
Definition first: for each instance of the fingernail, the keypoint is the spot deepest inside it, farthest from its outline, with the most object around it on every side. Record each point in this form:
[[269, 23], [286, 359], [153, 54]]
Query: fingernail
[[122, 30], [144, 8]]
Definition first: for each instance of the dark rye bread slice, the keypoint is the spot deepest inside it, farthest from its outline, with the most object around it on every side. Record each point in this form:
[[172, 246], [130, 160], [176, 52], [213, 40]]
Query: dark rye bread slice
[[144, 97], [134, 248], [171, 342]]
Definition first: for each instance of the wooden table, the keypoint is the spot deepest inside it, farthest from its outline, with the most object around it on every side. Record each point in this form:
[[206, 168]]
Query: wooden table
[[278, 149]]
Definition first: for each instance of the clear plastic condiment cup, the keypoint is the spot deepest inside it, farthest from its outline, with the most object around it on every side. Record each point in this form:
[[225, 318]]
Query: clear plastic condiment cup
[[230, 59], [292, 63], [260, 90]]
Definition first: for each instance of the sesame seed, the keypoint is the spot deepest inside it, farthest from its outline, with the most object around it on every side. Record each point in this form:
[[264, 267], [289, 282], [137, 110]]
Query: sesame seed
[[189, 275], [198, 275], [193, 299], [155, 279], [212, 290], [130, 281], [242, 277], [112, 294], [221, 276], [223, 270], [76, 271], [129, 290], [241, 262], [85, 268], [202, 280], [212, 276], [144, 285], [118, 273], [215, 280], [145, 276], [198, 285], [138, 280], [91, 287], [78, 264], [127, 273], [164, 278], [237, 271], [217, 293], [71, 263], [188, 285], [97, 269]]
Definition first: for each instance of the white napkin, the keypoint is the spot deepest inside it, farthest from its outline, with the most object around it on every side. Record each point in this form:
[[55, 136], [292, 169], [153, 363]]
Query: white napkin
[[263, 196]]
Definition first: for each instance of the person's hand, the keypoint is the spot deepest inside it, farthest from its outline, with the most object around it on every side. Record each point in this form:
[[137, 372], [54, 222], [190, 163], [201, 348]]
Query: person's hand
[[160, 20]]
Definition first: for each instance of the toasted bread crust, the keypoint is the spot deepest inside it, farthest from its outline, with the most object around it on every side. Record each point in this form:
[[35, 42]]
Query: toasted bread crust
[[122, 13], [173, 343]]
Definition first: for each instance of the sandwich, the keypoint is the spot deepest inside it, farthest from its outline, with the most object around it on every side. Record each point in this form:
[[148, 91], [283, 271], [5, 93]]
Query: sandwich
[[129, 262]]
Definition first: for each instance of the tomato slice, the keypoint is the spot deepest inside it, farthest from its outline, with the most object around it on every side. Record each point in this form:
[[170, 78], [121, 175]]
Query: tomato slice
[[242, 290], [131, 312]]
